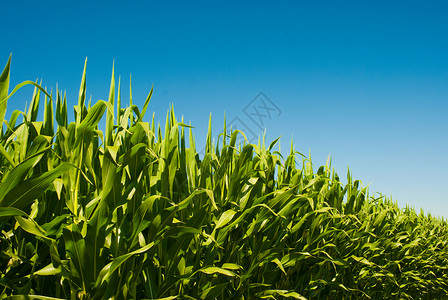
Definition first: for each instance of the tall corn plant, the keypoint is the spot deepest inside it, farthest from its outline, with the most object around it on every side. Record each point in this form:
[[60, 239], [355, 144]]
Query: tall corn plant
[[133, 212]]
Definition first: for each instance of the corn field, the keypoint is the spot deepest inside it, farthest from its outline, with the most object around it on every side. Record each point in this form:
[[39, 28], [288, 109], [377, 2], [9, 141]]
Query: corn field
[[133, 212]]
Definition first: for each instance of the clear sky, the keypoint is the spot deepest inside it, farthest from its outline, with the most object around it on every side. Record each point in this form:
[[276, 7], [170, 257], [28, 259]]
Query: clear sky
[[363, 81]]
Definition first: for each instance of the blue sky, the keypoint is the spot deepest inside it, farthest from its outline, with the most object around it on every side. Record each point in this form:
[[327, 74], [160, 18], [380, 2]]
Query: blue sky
[[362, 81]]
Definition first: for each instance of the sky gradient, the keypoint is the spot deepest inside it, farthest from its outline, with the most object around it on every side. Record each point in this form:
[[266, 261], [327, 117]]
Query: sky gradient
[[365, 83]]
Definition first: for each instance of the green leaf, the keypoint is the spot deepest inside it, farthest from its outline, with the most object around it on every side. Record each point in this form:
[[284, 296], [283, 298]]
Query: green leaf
[[17, 175], [30, 189], [4, 87], [145, 105], [48, 271], [94, 116], [11, 212], [22, 84], [110, 268], [82, 95], [80, 261], [281, 293], [7, 156], [31, 227], [225, 218], [110, 114], [231, 266], [214, 270]]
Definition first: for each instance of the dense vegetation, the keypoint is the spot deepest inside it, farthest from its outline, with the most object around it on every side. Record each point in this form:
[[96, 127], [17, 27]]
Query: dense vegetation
[[132, 212]]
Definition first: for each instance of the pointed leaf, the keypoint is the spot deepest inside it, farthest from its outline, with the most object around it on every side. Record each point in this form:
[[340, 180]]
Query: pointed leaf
[[27, 191], [4, 87]]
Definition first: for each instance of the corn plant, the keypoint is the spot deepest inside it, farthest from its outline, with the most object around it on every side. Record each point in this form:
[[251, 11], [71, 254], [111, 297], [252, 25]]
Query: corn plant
[[134, 212]]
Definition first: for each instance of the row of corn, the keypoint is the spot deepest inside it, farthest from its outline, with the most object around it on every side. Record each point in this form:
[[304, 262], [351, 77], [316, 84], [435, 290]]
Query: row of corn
[[134, 212]]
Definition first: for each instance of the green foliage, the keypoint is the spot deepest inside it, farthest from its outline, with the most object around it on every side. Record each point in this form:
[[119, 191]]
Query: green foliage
[[135, 213]]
